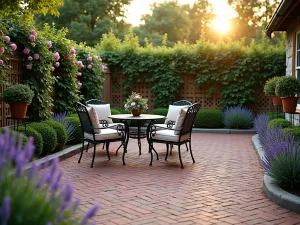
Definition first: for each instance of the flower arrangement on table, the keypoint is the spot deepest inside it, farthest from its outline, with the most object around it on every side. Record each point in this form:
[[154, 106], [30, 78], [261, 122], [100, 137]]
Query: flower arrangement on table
[[136, 104]]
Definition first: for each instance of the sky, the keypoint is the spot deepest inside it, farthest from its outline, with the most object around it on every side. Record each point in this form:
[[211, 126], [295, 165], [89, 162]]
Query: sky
[[140, 7]]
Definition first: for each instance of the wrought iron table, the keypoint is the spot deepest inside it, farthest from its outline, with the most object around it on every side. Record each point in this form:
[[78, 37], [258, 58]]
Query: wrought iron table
[[136, 134]]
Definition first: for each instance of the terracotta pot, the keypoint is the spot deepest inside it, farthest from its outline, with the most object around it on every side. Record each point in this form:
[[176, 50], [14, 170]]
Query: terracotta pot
[[289, 104], [136, 112], [276, 100], [18, 110]]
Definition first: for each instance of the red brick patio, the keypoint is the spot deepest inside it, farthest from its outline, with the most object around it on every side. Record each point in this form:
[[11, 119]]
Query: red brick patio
[[224, 186]]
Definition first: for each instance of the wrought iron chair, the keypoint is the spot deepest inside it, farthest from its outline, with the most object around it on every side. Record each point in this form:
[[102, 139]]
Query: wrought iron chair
[[104, 121], [97, 134], [174, 136]]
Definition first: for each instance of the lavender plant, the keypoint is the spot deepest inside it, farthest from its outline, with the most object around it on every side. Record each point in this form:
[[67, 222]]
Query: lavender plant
[[282, 158], [27, 198], [261, 122], [238, 117], [70, 128]]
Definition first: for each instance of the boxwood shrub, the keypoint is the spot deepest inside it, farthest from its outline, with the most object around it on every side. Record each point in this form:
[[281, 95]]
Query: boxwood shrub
[[160, 111], [38, 140], [122, 111], [209, 118], [25, 138], [78, 133], [295, 132], [283, 123], [273, 115], [48, 134], [61, 133]]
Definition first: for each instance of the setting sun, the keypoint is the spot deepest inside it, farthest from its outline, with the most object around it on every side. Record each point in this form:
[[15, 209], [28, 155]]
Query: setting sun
[[221, 24]]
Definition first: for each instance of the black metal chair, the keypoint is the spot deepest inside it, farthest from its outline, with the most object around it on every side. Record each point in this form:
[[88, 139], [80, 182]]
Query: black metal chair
[[167, 136], [105, 136]]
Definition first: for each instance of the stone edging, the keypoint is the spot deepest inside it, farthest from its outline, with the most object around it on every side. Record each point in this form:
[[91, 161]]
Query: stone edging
[[273, 191], [62, 155]]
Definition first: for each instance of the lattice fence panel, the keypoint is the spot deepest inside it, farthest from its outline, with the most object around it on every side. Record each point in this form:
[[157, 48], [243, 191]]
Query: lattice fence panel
[[14, 76], [262, 103]]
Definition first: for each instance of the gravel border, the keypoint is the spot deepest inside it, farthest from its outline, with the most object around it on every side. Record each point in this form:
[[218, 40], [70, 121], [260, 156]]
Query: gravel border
[[273, 191]]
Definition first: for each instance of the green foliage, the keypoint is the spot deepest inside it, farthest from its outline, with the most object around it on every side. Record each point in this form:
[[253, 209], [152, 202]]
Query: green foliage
[[78, 132], [36, 72], [91, 79], [283, 123], [236, 68], [66, 89], [273, 115], [73, 115], [270, 85], [209, 118], [61, 134], [48, 134], [295, 132], [18, 93], [287, 86], [38, 140], [115, 112], [122, 111], [160, 111]]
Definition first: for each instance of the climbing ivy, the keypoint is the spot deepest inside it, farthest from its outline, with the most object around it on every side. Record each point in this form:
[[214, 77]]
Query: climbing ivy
[[237, 68]]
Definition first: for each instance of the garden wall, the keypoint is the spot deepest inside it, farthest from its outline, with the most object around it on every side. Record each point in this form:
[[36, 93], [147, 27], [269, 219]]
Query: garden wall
[[116, 94]]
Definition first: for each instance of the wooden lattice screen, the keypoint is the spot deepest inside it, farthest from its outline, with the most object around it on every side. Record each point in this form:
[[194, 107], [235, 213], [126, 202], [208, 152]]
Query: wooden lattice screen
[[14, 76], [188, 91]]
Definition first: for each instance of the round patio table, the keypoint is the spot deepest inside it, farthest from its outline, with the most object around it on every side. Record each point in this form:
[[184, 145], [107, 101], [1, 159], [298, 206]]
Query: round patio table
[[135, 134]]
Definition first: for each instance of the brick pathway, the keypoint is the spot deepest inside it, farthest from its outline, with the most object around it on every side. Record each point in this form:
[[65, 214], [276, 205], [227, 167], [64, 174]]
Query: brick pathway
[[224, 186]]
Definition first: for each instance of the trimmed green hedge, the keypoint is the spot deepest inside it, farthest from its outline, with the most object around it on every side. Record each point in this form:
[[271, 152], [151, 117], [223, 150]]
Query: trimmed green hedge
[[273, 115], [209, 118], [295, 132], [162, 112], [122, 111], [61, 134], [48, 134], [38, 140], [283, 123], [78, 132]]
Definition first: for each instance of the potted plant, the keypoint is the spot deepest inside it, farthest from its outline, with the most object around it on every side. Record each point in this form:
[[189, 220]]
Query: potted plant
[[269, 90], [287, 87], [136, 104], [18, 96]]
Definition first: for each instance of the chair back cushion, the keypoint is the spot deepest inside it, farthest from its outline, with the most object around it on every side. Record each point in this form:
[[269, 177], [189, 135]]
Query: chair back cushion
[[179, 120], [103, 111], [94, 119], [88, 119], [173, 112]]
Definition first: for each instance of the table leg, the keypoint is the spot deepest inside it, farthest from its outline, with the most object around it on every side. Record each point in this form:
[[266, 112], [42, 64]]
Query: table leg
[[126, 140], [139, 137]]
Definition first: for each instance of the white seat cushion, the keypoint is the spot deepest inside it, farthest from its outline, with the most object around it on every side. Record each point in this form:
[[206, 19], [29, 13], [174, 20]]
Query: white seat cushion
[[168, 135], [173, 112], [106, 134], [180, 120], [94, 119], [103, 111]]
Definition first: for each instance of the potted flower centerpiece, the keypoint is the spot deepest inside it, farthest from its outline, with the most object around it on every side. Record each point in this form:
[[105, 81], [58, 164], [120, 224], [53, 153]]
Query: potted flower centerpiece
[[136, 104], [18, 96], [269, 89], [287, 88]]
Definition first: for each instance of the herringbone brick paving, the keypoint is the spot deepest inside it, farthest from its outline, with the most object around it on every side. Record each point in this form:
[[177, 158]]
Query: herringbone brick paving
[[224, 186]]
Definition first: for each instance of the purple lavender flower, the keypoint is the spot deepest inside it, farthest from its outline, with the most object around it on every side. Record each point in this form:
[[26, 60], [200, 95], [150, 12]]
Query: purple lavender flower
[[238, 117], [68, 192], [75, 206], [90, 214], [5, 209], [56, 182], [261, 125], [70, 128]]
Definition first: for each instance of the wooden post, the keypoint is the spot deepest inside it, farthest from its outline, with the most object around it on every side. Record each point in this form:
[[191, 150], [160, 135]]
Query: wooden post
[[107, 86]]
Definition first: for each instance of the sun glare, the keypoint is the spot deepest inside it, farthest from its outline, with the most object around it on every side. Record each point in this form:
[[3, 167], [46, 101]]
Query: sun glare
[[221, 24]]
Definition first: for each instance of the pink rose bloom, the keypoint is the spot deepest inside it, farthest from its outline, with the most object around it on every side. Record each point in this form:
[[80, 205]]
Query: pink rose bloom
[[26, 51], [80, 64], [57, 64], [79, 74], [49, 45], [1, 50], [11, 29], [89, 66], [103, 68], [89, 58], [7, 38], [36, 56], [72, 51], [33, 32], [29, 67], [13, 47], [96, 57], [30, 58], [100, 59], [31, 37], [1, 62], [79, 84], [52, 69], [136, 98], [22, 26], [56, 56]]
